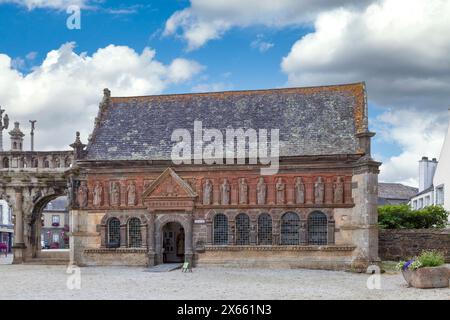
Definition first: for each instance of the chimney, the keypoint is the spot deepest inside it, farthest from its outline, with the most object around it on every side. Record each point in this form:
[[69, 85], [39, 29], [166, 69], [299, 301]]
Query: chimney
[[427, 168]]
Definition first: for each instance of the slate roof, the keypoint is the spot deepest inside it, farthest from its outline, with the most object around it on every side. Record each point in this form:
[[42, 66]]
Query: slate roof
[[312, 121], [396, 191]]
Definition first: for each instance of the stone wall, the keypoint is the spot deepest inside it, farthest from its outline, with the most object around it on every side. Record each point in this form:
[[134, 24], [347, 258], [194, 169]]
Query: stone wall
[[402, 244]]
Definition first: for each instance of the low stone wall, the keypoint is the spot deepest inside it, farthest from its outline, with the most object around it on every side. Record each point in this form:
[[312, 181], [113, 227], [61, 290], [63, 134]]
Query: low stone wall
[[114, 257], [402, 244], [311, 257]]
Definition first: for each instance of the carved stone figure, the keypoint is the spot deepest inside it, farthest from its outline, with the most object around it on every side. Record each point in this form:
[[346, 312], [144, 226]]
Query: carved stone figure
[[243, 191], [280, 187], [98, 194], [261, 191], [115, 194], [207, 192], [299, 191], [131, 194], [339, 190], [319, 190], [225, 192], [82, 195]]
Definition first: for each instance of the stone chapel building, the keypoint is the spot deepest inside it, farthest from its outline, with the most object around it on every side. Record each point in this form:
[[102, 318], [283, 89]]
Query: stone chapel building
[[131, 205]]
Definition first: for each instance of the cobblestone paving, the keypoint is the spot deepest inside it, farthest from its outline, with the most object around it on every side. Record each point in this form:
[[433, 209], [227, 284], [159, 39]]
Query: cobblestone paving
[[49, 282]]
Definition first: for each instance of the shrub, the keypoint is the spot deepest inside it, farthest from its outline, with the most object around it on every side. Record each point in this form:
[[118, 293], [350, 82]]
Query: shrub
[[403, 217], [427, 258], [431, 258]]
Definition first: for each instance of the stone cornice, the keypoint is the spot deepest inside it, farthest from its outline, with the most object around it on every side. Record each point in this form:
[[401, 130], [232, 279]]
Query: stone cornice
[[281, 248]]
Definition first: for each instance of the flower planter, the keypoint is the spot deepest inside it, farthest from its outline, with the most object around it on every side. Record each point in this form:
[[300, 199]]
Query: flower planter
[[428, 277]]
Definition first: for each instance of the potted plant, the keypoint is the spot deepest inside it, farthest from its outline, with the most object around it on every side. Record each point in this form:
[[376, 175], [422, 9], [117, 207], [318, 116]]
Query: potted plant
[[426, 270]]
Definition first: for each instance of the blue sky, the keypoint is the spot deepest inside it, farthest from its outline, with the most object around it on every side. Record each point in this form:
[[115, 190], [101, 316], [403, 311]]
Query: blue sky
[[246, 51]]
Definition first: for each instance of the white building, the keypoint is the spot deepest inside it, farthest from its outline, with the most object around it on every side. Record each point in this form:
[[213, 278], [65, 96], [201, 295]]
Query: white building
[[6, 225], [434, 180]]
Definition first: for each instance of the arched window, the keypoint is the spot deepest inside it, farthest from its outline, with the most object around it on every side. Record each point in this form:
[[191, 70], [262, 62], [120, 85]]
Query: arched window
[[220, 233], [5, 163], [57, 162], [113, 233], [242, 229], [46, 163], [265, 229], [290, 234], [34, 163], [134, 233], [317, 228], [15, 145]]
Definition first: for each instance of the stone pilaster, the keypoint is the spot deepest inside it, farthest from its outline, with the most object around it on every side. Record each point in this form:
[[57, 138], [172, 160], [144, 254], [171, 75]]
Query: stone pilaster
[[189, 250], [19, 243], [151, 240]]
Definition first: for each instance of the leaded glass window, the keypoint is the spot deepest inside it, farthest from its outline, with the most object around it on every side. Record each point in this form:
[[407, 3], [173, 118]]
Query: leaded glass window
[[242, 229], [317, 228], [290, 226], [113, 233], [220, 232], [134, 233], [265, 229]]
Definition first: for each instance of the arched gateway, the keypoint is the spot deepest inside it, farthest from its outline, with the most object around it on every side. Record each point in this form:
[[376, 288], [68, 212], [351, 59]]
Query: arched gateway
[[131, 204]]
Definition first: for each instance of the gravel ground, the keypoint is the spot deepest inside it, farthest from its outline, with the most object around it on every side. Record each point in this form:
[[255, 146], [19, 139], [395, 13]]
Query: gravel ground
[[50, 282]]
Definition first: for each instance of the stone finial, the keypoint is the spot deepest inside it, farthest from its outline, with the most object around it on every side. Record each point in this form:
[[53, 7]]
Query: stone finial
[[78, 147], [16, 137]]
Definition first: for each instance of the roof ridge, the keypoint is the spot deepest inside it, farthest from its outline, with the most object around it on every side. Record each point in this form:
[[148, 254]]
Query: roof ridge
[[354, 84]]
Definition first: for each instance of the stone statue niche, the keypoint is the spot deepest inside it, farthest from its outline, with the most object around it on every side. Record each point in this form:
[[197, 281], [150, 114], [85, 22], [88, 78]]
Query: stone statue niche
[[131, 193], [261, 191], [115, 194], [319, 191], [82, 195], [339, 190], [225, 192], [207, 192], [299, 191], [280, 187], [243, 191], [98, 194]]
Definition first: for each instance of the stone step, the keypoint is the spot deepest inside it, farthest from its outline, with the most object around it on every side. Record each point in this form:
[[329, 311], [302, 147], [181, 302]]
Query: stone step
[[53, 254], [46, 261], [165, 267]]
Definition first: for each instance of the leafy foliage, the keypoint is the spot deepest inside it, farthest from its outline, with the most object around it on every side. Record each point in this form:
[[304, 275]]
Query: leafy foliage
[[403, 217], [427, 258]]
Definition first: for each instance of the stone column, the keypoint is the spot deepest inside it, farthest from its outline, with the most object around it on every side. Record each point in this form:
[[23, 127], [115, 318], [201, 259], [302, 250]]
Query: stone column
[[209, 233], [330, 231], [253, 231], [303, 231], [188, 249], [151, 240], [144, 241], [231, 235], [19, 244], [276, 232], [123, 236]]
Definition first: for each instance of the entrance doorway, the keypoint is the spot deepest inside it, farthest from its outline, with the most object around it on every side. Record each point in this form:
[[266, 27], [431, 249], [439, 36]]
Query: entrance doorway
[[173, 243]]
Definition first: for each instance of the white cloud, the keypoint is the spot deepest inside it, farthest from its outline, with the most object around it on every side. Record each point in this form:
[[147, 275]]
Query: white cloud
[[206, 20], [52, 4], [401, 48], [416, 135], [64, 91], [260, 44]]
